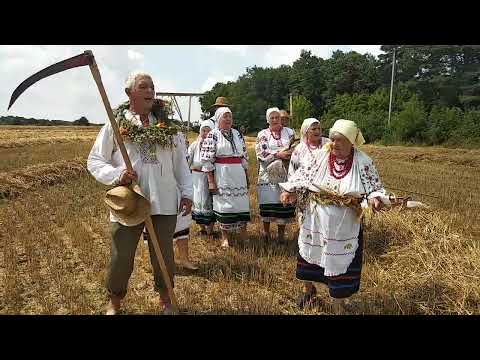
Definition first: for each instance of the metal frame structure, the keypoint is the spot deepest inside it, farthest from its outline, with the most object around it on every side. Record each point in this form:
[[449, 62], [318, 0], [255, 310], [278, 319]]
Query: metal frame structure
[[173, 98]]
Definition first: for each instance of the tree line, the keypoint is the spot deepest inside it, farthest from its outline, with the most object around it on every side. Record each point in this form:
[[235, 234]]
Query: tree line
[[19, 120], [436, 95]]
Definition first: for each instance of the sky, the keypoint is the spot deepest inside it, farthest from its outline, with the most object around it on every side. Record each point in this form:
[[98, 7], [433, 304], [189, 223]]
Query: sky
[[72, 94]]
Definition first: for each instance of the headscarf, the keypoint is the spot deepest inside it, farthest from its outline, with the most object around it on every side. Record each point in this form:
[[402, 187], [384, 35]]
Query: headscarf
[[305, 126], [350, 130], [219, 113], [270, 111], [207, 123]]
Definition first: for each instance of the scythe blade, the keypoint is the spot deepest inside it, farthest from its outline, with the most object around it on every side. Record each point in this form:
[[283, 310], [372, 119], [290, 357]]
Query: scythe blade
[[73, 62]]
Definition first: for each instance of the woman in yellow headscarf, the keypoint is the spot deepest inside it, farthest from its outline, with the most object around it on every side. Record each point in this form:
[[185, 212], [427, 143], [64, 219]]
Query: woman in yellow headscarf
[[330, 187]]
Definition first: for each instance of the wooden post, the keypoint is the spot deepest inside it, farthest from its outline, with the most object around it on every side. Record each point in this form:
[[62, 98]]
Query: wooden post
[[291, 107], [189, 108]]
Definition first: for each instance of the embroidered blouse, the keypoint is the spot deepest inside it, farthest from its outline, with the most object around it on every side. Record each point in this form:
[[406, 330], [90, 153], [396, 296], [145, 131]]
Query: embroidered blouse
[[159, 170], [216, 145]]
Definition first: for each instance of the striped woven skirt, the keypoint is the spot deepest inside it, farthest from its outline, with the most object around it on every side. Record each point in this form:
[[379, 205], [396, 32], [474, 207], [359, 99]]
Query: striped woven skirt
[[231, 204], [271, 209], [202, 210], [340, 286]]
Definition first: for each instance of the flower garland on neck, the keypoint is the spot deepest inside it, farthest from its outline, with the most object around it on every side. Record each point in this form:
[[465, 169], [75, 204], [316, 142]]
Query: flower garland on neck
[[155, 134]]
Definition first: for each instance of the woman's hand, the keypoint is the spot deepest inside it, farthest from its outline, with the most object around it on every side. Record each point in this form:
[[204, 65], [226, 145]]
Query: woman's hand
[[376, 203], [284, 155], [287, 198], [212, 187], [186, 206], [246, 177]]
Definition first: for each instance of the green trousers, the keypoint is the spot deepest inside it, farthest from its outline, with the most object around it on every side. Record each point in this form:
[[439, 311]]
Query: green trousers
[[124, 245]]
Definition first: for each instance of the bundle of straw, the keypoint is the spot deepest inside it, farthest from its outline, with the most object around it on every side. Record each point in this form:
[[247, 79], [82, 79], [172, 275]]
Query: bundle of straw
[[327, 197]]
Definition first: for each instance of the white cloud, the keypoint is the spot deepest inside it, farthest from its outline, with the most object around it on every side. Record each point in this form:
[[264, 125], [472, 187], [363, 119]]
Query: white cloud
[[73, 93], [212, 80], [277, 55], [363, 49], [236, 49], [135, 55]]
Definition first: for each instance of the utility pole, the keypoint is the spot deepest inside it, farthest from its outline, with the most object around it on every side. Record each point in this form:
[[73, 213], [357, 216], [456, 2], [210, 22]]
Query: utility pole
[[291, 106], [391, 88]]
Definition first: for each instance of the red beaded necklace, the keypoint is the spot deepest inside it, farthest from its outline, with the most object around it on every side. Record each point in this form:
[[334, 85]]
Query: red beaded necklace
[[279, 134], [339, 173]]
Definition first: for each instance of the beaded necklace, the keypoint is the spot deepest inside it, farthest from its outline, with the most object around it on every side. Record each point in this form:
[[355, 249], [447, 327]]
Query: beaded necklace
[[339, 168], [312, 147], [279, 134], [228, 134]]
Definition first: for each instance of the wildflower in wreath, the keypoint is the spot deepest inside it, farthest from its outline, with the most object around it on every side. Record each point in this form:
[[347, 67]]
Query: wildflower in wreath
[[157, 133]]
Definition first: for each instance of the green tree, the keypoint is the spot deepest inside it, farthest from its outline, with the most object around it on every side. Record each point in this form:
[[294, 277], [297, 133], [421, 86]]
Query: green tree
[[302, 109], [308, 78], [442, 121], [411, 123], [83, 121]]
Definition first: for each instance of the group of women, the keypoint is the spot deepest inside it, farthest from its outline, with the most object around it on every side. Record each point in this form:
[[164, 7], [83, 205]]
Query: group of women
[[324, 182]]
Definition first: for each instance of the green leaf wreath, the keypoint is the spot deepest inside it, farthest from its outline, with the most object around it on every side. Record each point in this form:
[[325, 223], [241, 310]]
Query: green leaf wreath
[[161, 134]]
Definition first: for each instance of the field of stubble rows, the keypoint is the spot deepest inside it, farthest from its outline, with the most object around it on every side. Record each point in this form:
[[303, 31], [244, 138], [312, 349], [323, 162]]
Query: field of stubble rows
[[54, 246]]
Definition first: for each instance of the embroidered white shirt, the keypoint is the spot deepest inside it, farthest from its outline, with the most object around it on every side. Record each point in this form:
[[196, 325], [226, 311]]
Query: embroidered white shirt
[[159, 170]]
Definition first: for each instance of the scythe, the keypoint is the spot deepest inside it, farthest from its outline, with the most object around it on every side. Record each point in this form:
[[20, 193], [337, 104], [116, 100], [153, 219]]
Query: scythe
[[84, 59]]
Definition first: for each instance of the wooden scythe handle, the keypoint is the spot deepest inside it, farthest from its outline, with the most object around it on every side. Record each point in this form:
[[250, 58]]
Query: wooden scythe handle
[[128, 164]]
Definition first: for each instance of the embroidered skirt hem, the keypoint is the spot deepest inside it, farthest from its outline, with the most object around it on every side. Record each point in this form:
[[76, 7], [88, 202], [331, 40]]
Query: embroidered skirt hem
[[277, 213], [340, 286], [203, 218]]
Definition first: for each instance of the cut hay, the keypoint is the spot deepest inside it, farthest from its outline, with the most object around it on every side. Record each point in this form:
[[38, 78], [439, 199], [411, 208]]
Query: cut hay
[[14, 183], [465, 157], [16, 143], [421, 265]]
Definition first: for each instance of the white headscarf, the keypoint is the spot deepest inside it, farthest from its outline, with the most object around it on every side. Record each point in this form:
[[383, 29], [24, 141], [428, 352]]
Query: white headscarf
[[350, 130], [219, 113], [207, 123], [270, 111], [305, 126]]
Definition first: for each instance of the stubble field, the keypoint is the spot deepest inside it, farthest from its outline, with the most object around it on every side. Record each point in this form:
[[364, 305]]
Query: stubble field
[[55, 242]]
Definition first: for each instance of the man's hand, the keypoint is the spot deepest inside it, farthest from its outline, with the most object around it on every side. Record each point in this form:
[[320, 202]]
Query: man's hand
[[186, 206], [287, 198], [127, 177]]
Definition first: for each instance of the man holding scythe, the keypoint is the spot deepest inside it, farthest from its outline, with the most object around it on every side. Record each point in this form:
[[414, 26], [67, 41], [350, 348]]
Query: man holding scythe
[[154, 154], [159, 166]]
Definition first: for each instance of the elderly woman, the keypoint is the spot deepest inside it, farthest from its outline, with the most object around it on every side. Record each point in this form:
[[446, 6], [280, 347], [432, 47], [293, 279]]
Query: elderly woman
[[331, 186], [272, 146], [181, 238], [225, 159], [311, 142], [202, 211], [285, 118]]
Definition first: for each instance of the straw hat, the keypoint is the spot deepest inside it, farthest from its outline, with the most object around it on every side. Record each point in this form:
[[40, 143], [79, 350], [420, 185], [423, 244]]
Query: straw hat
[[220, 101], [128, 205]]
